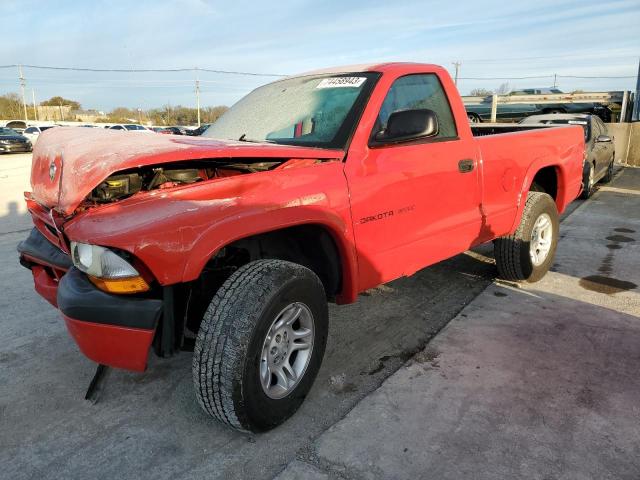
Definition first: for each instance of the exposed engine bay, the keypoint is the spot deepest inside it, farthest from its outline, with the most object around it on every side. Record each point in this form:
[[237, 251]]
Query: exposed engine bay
[[126, 183]]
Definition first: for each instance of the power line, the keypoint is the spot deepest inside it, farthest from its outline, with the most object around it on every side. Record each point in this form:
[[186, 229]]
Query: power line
[[258, 74], [146, 70]]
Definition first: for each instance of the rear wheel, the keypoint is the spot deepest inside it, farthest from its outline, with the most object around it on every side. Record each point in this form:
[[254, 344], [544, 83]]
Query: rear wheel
[[609, 175], [260, 345], [588, 181], [473, 118], [529, 252]]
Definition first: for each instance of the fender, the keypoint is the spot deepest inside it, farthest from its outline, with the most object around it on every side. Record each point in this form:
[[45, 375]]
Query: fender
[[231, 229], [566, 192]]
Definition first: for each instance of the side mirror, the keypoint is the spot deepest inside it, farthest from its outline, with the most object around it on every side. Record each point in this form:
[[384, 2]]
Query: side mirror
[[603, 139], [406, 125]]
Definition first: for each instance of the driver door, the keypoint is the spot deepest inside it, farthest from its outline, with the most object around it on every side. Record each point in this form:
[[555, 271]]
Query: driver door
[[417, 202]]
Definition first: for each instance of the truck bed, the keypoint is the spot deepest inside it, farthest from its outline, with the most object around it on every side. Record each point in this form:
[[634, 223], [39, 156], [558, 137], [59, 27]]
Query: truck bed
[[498, 128]]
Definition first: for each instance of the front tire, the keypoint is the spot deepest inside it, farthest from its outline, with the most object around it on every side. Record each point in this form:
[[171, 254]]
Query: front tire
[[528, 253], [260, 345]]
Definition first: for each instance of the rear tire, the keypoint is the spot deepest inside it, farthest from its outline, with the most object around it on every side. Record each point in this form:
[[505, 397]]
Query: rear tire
[[528, 253], [588, 181], [236, 350], [474, 118], [609, 175]]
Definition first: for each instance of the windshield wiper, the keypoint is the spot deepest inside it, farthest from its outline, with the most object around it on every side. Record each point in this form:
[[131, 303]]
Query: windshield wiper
[[243, 138]]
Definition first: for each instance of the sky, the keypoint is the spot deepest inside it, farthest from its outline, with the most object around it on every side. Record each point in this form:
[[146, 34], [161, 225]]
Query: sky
[[491, 39]]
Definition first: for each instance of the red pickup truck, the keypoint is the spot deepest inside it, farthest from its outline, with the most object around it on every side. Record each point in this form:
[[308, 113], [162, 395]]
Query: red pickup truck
[[312, 188]]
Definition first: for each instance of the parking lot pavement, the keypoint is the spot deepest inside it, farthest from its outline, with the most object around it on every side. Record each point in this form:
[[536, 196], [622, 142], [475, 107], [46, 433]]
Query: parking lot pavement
[[540, 381], [150, 425]]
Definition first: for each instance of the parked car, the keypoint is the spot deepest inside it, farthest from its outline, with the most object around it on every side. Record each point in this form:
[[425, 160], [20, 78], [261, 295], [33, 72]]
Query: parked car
[[196, 132], [131, 127], [32, 133], [312, 188], [175, 130], [12, 142], [17, 126], [599, 148], [602, 111], [481, 112]]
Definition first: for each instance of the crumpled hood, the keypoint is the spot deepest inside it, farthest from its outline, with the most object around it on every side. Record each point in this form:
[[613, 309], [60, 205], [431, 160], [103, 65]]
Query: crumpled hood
[[70, 162]]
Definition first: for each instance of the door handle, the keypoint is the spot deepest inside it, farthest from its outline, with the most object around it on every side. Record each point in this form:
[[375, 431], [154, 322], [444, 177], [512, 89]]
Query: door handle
[[466, 166]]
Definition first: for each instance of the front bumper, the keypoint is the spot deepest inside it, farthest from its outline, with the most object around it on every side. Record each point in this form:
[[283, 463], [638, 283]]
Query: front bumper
[[15, 147], [112, 330]]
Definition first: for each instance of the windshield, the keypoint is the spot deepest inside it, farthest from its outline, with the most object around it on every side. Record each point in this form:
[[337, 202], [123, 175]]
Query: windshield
[[314, 110], [7, 131], [134, 127]]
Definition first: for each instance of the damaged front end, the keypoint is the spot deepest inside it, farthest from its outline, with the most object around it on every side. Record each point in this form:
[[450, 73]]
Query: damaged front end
[[96, 269]]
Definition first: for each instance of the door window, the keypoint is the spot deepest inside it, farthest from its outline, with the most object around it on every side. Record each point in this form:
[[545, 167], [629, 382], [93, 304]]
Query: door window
[[417, 92]]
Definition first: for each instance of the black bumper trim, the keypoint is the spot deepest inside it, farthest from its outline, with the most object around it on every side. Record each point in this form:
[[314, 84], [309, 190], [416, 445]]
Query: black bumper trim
[[37, 246], [79, 299]]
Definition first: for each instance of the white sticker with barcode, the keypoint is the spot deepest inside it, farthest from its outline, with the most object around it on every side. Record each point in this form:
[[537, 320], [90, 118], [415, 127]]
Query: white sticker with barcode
[[341, 82]]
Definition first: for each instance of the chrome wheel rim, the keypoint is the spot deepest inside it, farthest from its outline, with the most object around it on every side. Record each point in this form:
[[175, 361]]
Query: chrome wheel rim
[[472, 118], [286, 350], [541, 239]]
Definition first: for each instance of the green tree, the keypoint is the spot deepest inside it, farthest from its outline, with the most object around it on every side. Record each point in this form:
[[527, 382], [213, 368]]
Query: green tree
[[61, 102]]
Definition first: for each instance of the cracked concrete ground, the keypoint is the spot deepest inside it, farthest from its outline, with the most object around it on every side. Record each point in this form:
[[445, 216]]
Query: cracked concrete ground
[[536, 381], [150, 426]]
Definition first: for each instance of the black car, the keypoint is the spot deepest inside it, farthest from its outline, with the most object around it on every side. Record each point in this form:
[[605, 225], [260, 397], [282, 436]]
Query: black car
[[11, 141], [600, 151], [176, 130], [198, 131]]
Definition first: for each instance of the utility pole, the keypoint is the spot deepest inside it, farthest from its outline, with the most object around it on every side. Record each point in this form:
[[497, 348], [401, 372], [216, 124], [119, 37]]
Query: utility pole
[[22, 85], [35, 110], [455, 78], [555, 80], [198, 95], [636, 101]]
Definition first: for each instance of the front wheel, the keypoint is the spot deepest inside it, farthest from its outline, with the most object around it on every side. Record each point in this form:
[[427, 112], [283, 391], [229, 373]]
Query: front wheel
[[529, 252], [260, 345]]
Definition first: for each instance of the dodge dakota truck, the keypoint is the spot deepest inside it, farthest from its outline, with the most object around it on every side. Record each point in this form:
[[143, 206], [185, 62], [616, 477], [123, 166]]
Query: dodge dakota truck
[[313, 188]]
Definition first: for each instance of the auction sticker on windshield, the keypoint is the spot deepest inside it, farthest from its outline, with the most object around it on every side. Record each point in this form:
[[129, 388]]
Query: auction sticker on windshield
[[341, 82]]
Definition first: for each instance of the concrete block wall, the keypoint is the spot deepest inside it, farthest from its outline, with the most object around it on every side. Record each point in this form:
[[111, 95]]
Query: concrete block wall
[[626, 138]]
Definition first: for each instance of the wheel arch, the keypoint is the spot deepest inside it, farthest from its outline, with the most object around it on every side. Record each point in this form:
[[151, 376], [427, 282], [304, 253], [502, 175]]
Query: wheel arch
[[549, 178], [321, 244]]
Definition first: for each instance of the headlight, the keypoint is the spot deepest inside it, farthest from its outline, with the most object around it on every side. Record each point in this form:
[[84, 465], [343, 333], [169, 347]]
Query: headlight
[[107, 270]]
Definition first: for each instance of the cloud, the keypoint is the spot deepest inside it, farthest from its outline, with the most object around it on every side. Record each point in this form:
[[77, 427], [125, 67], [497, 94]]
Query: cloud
[[491, 38]]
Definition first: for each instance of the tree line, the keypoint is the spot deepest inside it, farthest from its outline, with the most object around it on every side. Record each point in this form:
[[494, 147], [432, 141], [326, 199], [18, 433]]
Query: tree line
[[11, 108]]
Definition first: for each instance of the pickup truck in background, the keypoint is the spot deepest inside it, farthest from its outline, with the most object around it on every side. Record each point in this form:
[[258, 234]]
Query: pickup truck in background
[[310, 189]]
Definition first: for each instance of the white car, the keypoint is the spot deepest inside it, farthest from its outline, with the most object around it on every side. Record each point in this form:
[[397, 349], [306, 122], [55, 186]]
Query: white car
[[32, 133], [131, 127]]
